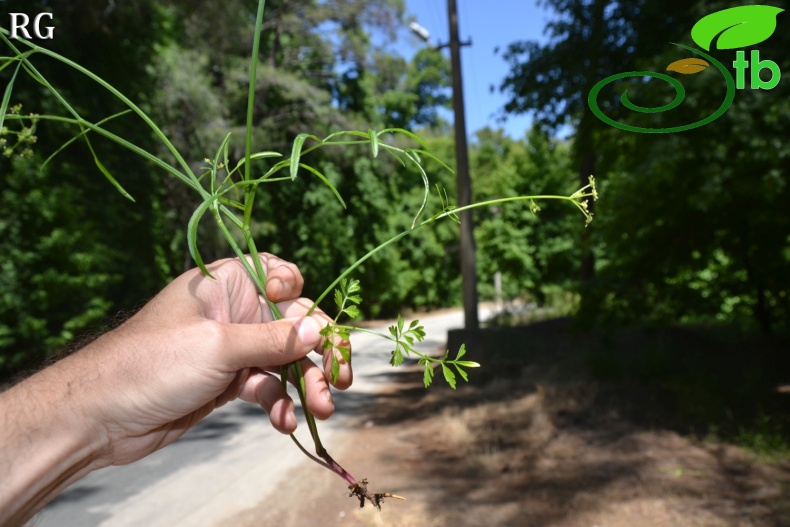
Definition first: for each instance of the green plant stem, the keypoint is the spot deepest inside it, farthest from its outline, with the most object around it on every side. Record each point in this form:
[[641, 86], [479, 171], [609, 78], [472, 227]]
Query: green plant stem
[[299, 380], [216, 201], [256, 42], [249, 198], [259, 271]]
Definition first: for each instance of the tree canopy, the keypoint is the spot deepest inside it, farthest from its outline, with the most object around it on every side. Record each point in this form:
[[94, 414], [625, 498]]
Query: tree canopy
[[693, 225]]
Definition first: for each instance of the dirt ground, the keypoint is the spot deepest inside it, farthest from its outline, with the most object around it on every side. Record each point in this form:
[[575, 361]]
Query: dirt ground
[[531, 441]]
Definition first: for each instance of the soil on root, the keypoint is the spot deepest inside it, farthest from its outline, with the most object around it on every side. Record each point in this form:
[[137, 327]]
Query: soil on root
[[360, 491]]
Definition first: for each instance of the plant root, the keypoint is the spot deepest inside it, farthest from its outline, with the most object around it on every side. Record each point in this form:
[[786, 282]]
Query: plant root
[[360, 490]]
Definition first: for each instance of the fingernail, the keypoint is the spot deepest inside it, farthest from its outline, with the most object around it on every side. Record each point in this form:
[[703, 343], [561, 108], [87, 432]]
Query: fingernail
[[329, 399], [308, 331]]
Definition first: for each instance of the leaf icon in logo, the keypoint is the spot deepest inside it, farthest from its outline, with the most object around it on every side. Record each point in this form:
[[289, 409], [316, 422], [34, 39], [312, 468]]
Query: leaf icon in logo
[[688, 66], [737, 27]]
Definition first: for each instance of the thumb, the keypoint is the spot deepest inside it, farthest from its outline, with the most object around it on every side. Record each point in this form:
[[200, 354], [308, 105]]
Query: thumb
[[270, 344]]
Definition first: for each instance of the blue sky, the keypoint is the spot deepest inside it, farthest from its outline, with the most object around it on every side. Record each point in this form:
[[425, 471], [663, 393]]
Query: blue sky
[[489, 24]]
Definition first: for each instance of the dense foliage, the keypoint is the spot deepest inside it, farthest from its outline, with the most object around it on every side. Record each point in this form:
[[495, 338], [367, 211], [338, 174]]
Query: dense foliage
[[694, 225], [78, 252]]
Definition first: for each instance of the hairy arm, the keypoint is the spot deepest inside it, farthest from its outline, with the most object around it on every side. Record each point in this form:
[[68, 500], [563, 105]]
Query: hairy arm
[[47, 440], [197, 345]]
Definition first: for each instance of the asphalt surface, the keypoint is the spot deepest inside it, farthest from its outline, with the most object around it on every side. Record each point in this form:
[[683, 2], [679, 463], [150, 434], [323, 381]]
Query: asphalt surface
[[227, 463]]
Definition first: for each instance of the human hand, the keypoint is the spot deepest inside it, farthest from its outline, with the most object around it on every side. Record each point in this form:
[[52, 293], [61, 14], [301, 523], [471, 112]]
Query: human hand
[[197, 345]]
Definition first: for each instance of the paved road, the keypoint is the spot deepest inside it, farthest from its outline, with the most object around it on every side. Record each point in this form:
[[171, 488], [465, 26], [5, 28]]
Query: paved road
[[227, 463]]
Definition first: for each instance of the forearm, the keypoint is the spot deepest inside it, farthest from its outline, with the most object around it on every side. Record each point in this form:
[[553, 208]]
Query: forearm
[[47, 443]]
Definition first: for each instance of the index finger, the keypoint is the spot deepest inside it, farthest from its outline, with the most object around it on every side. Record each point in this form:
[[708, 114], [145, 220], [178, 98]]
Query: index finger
[[284, 281]]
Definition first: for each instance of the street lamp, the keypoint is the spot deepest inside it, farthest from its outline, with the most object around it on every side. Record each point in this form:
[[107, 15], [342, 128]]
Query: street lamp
[[422, 33]]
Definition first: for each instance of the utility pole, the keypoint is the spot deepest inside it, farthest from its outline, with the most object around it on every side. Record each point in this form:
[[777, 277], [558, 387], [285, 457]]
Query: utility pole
[[464, 182]]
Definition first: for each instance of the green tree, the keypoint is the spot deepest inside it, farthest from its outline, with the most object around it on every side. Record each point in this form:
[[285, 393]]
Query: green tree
[[324, 66], [692, 226], [535, 250], [587, 41], [77, 250]]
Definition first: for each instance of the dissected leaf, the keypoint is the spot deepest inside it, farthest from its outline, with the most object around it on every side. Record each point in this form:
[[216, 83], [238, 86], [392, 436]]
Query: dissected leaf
[[345, 352], [736, 27], [427, 376], [688, 66], [397, 357], [354, 286], [461, 352], [449, 376], [335, 374], [462, 373]]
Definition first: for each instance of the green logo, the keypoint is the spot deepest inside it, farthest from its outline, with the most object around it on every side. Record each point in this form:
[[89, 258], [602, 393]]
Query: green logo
[[732, 28]]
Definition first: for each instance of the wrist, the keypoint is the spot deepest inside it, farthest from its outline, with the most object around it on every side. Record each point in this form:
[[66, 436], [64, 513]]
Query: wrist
[[48, 440]]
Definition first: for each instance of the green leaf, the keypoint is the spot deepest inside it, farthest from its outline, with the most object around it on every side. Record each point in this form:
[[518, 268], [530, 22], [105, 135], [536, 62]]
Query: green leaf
[[466, 363], [461, 352], [296, 152], [400, 323], [397, 357], [406, 133], [374, 143], [106, 172], [462, 373], [323, 178], [345, 352], [83, 132], [430, 155], [449, 376], [338, 299], [192, 228], [352, 311], [7, 95], [257, 155], [427, 376], [356, 299], [335, 369], [188, 177], [737, 27]]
